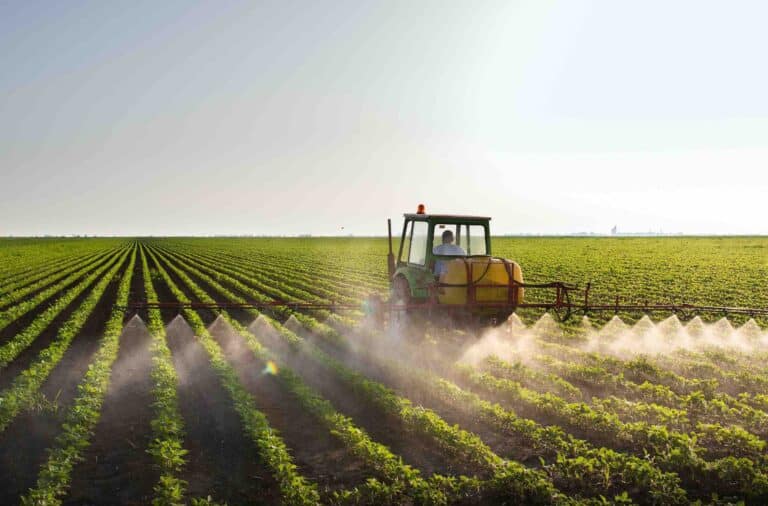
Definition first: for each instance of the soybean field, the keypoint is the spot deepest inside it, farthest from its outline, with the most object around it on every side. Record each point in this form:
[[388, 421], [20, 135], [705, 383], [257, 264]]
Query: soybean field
[[101, 403]]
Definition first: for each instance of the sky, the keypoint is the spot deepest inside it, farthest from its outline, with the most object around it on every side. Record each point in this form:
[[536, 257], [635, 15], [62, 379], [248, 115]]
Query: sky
[[326, 118]]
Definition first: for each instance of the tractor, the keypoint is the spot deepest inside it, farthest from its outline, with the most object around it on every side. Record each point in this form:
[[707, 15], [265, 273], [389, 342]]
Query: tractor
[[444, 266]]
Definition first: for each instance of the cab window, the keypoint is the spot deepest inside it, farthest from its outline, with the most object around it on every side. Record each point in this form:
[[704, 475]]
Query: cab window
[[476, 240], [459, 239], [406, 246], [418, 251], [470, 238]]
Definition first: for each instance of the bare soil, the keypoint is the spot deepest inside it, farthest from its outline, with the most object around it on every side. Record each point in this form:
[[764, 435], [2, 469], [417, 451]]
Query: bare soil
[[23, 360], [221, 461], [116, 468], [23, 444], [320, 456], [420, 452]]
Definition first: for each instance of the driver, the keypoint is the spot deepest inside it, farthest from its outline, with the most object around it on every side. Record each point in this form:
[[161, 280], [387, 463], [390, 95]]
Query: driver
[[447, 248]]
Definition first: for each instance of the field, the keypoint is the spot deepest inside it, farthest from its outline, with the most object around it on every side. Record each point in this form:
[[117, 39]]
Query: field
[[99, 405]]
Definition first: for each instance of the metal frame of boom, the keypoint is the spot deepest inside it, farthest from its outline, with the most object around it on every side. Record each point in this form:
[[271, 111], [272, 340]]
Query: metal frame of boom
[[563, 305]]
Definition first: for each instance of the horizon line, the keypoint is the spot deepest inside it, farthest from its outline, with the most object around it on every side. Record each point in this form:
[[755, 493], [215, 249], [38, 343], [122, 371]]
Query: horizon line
[[379, 236]]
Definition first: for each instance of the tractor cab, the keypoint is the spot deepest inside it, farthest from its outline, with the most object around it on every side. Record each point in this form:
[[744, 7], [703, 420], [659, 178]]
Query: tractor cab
[[428, 242], [444, 263]]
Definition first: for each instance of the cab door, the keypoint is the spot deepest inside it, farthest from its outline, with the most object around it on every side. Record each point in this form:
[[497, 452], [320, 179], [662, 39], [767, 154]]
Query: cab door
[[412, 260], [417, 256]]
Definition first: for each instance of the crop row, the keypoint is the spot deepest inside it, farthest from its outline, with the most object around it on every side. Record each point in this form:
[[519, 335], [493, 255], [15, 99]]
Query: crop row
[[402, 480], [643, 374], [676, 452], [358, 265], [23, 264], [294, 488], [167, 446], [278, 285], [287, 275], [569, 460], [318, 269], [318, 288], [10, 349], [694, 406], [21, 393], [22, 258], [242, 281], [451, 439], [81, 418], [21, 308], [16, 291]]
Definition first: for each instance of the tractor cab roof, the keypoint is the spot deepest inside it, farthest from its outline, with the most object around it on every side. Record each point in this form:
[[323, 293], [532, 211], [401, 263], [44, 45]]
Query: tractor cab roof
[[444, 217]]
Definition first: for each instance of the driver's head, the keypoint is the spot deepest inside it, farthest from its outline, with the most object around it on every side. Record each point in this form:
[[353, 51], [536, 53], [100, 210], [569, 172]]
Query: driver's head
[[447, 237]]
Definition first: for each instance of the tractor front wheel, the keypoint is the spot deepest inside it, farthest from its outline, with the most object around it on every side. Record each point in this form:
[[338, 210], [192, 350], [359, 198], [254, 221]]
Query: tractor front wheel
[[399, 313], [401, 292]]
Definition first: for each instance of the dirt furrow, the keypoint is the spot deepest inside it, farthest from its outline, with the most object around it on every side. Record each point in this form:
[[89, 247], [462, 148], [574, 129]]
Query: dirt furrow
[[389, 430], [23, 443], [221, 461], [319, 455], [116, 468]]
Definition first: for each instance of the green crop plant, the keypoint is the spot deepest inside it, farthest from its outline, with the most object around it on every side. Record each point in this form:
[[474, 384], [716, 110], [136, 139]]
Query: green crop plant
[[294, 487], [81, 418], [22, 391]]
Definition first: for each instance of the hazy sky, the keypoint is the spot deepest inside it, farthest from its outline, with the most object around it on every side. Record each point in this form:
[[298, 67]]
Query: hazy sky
[[305, 117]]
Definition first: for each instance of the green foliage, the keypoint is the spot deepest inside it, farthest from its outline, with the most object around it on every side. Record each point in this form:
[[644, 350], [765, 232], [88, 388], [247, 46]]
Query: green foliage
[[22, 392], [11, 349], [81, 418], [167, 446], [294, 487], [684, 427]]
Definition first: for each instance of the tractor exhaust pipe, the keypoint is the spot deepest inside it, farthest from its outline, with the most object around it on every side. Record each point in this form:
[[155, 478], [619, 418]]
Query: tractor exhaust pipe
[[390, 256]]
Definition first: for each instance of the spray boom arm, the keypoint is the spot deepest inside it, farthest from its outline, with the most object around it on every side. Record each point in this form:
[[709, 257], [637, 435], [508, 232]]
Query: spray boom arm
[[563, 304]]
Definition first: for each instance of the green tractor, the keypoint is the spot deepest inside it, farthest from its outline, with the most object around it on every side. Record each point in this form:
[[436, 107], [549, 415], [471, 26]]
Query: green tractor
[[444, 266]]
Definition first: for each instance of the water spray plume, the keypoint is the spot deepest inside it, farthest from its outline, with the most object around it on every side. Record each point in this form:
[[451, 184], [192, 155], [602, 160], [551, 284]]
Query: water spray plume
[[493, 342], [671, 326], [218, 321], [613, 328], [293, 324], [722, 329], [515, 341], [750, 331], [515, 324], [177, 321], [643, 325], [259, 325], [695, 327], [547, 326], [511, 341], [135, 320]]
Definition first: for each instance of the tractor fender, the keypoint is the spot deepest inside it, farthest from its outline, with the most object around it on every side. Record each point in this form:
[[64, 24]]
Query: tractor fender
[[418, 281]]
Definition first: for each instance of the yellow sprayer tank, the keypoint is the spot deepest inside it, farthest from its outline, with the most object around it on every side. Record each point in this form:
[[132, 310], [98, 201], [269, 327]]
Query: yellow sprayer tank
[[484, 271]]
